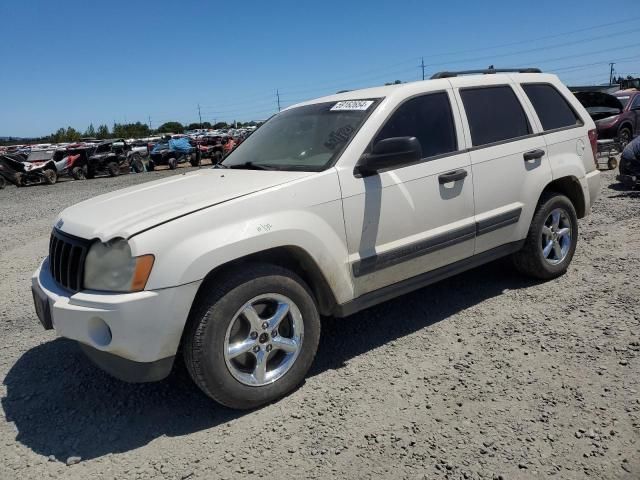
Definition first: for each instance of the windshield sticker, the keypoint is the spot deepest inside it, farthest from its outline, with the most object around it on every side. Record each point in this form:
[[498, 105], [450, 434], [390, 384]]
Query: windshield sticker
[[339, 136], [350, 105]]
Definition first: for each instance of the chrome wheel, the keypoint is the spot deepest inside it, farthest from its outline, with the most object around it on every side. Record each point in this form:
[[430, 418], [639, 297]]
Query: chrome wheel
[[263, 340], [556, 236]]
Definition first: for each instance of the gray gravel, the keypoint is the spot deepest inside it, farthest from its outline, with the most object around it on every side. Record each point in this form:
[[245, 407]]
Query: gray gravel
[[486, 375]]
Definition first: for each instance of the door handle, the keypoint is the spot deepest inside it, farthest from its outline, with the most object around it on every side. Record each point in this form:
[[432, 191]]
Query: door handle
[[452, 176], [533, 155]]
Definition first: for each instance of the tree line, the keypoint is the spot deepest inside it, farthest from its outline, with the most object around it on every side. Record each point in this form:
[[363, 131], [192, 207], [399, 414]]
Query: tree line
[[126, 130]]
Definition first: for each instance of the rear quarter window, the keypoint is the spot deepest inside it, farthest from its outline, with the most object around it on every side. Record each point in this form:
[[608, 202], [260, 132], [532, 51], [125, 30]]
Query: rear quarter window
[[553, 110], [495, 114]]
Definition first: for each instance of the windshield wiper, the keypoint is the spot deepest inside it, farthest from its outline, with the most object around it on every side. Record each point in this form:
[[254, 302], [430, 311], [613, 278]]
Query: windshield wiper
[[252, 166]]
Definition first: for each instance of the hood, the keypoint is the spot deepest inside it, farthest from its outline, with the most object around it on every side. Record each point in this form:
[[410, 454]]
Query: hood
[[597, 102], [124, 213]]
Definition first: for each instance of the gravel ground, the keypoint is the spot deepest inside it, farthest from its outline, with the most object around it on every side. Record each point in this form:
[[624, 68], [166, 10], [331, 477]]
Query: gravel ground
[[485, 375]]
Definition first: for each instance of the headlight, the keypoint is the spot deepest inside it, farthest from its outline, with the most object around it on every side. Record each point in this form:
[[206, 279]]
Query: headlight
[[110, 266]]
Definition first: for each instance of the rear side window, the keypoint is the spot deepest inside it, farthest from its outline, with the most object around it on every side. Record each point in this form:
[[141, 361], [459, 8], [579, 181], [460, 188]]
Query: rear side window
[[494, 114], [552, 108], [429, 119]]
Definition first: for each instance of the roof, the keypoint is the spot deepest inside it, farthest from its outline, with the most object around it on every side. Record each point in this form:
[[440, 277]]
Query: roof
[[411, 88]]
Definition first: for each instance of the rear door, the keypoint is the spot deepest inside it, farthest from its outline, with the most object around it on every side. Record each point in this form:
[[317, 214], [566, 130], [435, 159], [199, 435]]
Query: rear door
[[508, 159]]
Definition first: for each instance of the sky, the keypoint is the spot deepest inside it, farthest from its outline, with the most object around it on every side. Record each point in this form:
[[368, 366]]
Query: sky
[[72, 63]]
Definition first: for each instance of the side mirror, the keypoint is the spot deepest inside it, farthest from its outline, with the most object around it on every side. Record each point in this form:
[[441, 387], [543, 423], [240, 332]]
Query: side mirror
[[394, 152]]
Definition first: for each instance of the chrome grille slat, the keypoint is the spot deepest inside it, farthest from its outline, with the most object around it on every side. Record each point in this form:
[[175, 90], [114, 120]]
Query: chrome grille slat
[[66, 259]]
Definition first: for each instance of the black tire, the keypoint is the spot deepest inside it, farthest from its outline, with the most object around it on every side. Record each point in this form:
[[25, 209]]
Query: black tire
[[137, 164], [151, 166], [194, 160], [213, 311], [612, 163], [624, 137], [530, 259], [113, 169], [51, 176], [78, 173], [173, 163]]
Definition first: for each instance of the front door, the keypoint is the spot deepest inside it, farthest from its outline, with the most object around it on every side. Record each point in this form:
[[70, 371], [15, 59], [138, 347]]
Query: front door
[[413, 219]]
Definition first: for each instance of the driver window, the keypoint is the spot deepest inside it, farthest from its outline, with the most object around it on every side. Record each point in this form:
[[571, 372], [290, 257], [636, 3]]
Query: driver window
[[636, 103], [428, 118]]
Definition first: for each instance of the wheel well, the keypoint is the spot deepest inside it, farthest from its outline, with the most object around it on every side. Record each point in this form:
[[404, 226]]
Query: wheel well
[[292, 258], [571, 188], [626, 125]]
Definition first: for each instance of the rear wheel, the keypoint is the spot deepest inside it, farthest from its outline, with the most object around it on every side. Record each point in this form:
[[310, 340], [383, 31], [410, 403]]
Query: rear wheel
[[137, 164], [612, 163], [113, 169], [78, 173], [624, 136], [173, 163], [50, 176], [552, 238], [252, 336]]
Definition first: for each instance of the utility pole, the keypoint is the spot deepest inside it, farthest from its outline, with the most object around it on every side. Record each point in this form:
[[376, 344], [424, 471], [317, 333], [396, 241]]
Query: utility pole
[[611, 73], [278, 99], [200, 115], [422, 65], [149, 122]]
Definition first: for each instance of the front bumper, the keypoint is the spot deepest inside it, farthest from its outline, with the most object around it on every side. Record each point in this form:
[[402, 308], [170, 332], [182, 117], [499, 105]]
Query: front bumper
[[123, 333]]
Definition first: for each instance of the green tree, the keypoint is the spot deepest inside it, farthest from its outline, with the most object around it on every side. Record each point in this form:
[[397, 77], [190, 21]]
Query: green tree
[[103, 132], [90, 131], [131, 130], [171, 127], [220, 125], [72, 135]]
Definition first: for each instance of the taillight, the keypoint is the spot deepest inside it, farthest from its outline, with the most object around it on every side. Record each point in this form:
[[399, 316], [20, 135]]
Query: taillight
[[593, 139]]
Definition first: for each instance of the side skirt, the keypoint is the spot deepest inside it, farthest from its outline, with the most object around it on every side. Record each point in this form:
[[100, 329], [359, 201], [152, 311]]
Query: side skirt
[[409, 285]]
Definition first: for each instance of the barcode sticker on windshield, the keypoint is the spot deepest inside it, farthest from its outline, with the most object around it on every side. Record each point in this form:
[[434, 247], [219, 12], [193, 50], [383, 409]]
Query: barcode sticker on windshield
[[352, 105]]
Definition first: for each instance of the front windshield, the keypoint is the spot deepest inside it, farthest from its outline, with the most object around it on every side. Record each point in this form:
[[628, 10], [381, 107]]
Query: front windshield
[[624, 100], [307, 138]]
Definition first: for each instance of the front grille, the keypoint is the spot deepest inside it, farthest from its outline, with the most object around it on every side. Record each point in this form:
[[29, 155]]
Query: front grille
[[66, 259]]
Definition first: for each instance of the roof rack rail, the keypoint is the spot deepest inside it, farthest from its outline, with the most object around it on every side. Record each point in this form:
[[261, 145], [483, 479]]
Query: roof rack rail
[[487, 71]]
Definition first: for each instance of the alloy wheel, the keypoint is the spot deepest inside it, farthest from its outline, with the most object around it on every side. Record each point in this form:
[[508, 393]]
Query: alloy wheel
[[263, 339], [556, 236]]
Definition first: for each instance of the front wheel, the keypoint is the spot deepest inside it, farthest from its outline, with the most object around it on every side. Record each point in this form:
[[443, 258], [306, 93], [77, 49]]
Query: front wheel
[[552, 238], [173, 163], [252, 338], [113, 169]]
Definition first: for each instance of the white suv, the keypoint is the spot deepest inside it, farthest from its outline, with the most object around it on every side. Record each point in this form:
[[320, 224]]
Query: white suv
[[332, 206]]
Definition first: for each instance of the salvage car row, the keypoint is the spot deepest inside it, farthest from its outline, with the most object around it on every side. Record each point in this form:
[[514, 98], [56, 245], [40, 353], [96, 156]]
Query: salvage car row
[[45, 164]]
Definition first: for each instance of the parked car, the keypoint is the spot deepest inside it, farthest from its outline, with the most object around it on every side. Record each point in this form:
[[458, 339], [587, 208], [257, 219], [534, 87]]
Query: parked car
[[111, 157], [172, 152], [617, 115], [332, 206], [211, 147], [16, 170]]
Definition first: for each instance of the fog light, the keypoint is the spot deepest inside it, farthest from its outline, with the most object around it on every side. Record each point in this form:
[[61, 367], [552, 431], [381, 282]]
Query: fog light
[[99, 332]]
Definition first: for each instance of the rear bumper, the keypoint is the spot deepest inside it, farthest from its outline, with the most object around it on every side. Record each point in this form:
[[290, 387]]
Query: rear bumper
[[592, 180], [133, 336]]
